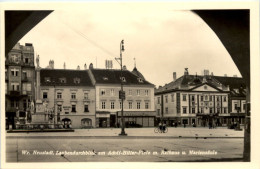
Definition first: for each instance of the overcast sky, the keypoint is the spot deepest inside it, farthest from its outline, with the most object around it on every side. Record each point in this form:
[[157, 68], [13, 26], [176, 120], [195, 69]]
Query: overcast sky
[[162, 40]]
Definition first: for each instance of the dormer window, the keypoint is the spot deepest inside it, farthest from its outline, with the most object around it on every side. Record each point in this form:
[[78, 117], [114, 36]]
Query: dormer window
[[62, 80], [123, 79], [140, 80], [47, 79], [76, 80]]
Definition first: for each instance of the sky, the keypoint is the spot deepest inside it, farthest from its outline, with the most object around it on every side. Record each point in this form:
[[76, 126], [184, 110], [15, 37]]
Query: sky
[[161, 39]]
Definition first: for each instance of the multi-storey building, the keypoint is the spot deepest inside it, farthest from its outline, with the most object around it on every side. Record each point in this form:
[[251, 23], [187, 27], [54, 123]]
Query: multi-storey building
[[70, 94], [201, 100], [139, 98], [19, 83]]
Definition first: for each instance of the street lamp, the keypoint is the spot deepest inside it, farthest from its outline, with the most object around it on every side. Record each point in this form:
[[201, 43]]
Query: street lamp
[[121, 92], [54, 104]]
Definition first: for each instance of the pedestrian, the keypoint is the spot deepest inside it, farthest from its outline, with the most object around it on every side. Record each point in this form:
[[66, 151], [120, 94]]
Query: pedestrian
[[176, 124], [163, 127], [184, 125], [160, 126]]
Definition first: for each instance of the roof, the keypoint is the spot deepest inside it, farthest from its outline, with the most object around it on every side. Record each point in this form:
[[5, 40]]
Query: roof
[[137, 73], [55, 76], [235, 85], [112, 76]]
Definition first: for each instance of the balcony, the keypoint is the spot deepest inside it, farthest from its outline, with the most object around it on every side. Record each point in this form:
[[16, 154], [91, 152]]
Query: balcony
[[14, 93]]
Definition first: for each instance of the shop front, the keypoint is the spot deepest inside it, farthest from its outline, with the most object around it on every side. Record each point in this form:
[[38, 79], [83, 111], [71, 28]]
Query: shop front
[[137, 119], [103, 119]]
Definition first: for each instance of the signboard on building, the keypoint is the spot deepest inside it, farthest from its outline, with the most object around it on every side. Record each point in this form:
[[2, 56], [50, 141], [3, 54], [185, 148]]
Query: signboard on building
[[151, 113]]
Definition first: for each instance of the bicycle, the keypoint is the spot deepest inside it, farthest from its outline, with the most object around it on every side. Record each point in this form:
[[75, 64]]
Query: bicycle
[[160, 130]]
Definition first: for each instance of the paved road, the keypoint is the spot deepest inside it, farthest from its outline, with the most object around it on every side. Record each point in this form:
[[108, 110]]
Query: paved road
[[117, 149]]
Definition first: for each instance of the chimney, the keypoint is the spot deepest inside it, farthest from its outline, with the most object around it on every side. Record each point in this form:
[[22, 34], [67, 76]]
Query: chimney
[[235, 76], [85, 66], [91, 66], [206, 72], [174, 76], [186, 72], [212, 74], [225, 75], [64, 65], [78, 68]]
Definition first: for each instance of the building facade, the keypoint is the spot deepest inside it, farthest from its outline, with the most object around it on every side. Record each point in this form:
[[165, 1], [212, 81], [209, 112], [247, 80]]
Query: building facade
[[69, 97], [200, 101], [139, 98], [19, 84]]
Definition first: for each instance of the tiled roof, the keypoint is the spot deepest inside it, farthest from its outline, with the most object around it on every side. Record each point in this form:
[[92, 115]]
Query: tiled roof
[[112, 76], [55, 76], [186, 82]]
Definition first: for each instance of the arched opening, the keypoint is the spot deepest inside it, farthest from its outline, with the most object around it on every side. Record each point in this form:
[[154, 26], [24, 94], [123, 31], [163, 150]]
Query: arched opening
[[66, 122], [86, 123]]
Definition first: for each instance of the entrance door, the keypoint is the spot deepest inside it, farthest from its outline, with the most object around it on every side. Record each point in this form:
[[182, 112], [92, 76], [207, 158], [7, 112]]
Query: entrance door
[[112, 120], [102, 122]]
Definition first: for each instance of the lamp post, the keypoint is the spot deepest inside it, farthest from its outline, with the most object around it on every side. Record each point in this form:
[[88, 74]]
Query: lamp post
[[121, 92], [54, 104], [238, 124]]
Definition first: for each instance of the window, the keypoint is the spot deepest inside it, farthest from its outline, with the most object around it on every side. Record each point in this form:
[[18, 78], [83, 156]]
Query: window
[[103, 92], [166, 110], [192, 98], [73, 108], [29, 87], [103, 105], [26, 60], [210, 110], [210, 98], [59, 95], [225, 98], [183, 97], [112, 92], [158, 100], [76, 80], [130, 105], [201, 98], [112, 105], [146, 105], [206, 97], [14, 72], [15, 86], [85, 95], [202, 110], [86, 108], [166, 99], [172, 97], [130, 92], [73, 95], [138, 106], [184, 110], [193, 110], [225, 110], [205, 87], [146, 92], [123, 79], [12, 103], [235, 105], [244, 106], [140, 80], [45, 95], [218, 110], [59, 108], [217, 98], [120, 105], [158, 112], [138, 92]]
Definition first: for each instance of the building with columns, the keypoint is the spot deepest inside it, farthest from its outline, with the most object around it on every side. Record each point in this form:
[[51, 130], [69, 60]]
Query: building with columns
[[139, 98], [201, 100], [19, 84]]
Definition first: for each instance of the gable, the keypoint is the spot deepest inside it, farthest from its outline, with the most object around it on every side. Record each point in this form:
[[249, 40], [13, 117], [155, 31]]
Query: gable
[[205, 87]]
